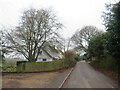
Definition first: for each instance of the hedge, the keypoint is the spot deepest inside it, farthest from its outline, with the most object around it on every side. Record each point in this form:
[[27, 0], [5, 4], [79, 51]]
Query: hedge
[[24, 66], [107, 62]]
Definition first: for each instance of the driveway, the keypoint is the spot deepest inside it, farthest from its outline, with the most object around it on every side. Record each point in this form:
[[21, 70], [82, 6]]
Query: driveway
[[28, 80], [84, 76], [34, 80]]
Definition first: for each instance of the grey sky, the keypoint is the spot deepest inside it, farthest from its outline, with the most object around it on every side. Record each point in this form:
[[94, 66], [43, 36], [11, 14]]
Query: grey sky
[[73, 14]]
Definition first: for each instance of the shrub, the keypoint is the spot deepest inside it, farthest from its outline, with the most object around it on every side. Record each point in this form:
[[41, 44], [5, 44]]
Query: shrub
[[69, 57]]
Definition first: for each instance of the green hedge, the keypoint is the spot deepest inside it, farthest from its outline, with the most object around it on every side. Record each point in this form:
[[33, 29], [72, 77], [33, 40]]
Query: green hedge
[[107, 62], [23, 66]]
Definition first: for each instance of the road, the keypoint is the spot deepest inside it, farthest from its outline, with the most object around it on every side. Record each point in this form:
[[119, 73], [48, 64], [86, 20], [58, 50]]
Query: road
[[84, 76]]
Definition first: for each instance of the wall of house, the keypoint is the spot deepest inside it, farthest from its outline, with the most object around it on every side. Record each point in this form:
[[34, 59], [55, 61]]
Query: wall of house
[[42, 59]]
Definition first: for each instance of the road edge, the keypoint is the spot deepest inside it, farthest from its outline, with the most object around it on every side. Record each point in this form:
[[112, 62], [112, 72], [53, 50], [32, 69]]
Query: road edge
[[66, 78]]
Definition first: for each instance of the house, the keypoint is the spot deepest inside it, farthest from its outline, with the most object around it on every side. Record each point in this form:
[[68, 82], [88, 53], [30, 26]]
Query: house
[[48, 53]]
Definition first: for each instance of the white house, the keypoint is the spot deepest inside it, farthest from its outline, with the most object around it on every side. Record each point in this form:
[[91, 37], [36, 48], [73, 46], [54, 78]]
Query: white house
[[49, 53]]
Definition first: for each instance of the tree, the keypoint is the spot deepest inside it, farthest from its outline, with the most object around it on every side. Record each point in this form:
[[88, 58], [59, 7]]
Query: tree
[[81, 38], [112, 23], [35, 29], [97, 46], [67, 44], [3, 50], [58, 42], [61, 43]]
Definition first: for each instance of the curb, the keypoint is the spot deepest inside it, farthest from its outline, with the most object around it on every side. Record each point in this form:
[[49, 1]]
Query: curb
[[65, 79]]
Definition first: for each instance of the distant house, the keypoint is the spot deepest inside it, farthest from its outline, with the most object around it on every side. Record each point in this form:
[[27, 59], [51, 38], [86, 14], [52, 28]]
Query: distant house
[[48, 53]]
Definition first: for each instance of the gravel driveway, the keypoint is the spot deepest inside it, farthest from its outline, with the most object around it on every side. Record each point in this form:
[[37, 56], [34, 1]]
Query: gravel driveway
[[28, 80], [34, 80]]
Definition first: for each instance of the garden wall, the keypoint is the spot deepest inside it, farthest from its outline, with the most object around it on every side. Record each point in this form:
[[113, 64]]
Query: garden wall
[[24, 66]]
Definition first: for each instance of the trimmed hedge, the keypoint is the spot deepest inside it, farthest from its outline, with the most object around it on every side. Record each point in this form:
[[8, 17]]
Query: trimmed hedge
[[24, 66]]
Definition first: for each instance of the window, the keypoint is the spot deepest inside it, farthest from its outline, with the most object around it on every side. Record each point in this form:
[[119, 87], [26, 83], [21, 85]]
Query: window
[[54, 58], [44, 59]]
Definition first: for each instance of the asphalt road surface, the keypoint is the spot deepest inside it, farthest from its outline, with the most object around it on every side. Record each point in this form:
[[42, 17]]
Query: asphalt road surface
[[84, 76]]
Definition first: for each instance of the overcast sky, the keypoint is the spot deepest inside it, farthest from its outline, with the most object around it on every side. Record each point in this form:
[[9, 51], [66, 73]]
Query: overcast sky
[[73, 14]]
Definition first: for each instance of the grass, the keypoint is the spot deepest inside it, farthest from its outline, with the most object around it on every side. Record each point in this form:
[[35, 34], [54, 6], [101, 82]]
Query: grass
[[8, 69]]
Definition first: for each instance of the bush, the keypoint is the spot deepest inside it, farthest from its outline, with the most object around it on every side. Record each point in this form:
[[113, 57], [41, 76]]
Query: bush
[[69, 57], [108, 63]]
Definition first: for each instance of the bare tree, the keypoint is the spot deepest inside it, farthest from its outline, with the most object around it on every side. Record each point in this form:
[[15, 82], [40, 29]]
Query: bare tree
[[61, 43], [58, 42], [81, 38], [67, 44], [36, 28], [2, 45]]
